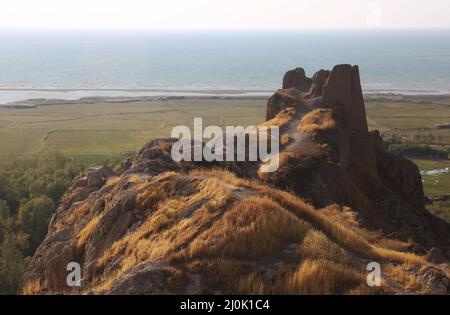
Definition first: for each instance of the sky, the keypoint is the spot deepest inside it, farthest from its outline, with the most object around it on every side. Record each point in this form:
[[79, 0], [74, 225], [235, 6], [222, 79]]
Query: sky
[[222, 14]]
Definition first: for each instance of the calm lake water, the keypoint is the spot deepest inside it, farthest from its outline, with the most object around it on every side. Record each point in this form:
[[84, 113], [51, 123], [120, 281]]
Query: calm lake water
[[33, 65]]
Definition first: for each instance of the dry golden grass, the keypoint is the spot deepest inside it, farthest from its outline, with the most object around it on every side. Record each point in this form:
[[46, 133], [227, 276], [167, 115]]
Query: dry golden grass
[[406, 280], [285, 140], [105, 282], [282, 119], [252, 284], [86, 232], [225, 231], [254, 227], [364, 289], [348, 218], [336, 231], [213, 223], [134, 179], [332, 229], [31, 288], [319, 119], [344, 215], [396, 256], [167, 228], [345, 236], [78, 213], [224, 176], [319, 277], [317, 246], [217, 194], [393, 244], [113, 181], [149, 198]]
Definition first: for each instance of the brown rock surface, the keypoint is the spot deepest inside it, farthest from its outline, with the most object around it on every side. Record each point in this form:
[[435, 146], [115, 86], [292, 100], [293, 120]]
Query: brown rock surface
[[349, 165], [318, 82], [296, 79], [161, 227], [435, 255], [434, 279]]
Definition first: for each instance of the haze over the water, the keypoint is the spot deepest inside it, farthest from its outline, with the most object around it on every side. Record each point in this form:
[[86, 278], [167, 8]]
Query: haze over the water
[[91, 47], [230, 14]]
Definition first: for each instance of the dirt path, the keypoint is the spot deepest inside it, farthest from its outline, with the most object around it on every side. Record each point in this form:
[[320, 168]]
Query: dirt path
[[302, 142]]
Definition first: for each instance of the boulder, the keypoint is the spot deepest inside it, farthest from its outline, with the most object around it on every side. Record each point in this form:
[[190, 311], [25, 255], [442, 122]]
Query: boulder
[[97, 176], [434, 279], [297, 79], [282, 100], [436, 256]]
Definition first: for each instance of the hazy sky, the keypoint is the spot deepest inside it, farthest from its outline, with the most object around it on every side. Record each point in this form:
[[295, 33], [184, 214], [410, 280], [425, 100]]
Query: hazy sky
[[222, 14]]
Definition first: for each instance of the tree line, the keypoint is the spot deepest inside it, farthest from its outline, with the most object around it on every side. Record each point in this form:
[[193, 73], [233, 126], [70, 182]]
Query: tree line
[[30, 190]]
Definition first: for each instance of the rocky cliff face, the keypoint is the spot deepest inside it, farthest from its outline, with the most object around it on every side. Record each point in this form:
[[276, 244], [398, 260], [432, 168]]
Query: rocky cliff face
[[158, 226], [331, 157]]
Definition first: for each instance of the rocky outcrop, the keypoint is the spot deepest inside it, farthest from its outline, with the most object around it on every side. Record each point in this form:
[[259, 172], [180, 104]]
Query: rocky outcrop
[[296, 79], [188, 232], [342, 89], [282, 100], [335, 159], [156, 226], [339, 89], [436, 256], [434, 279], [318, 82]]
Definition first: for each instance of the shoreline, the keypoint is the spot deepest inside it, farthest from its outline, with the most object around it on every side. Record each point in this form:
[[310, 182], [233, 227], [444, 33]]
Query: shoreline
[[161, 95], [200, 90], [34, 97], [33, 103]]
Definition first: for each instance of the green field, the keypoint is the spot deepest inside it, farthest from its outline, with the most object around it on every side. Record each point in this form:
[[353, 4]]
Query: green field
[[112, 128], [435, 176], [412, 118], [415, 119], [105, 130]]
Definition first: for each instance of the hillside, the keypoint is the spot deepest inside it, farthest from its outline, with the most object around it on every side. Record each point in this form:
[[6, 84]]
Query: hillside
[[338, 202]]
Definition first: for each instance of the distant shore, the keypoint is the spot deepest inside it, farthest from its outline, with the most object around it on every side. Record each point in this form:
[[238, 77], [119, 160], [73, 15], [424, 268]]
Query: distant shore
[[161, 94], [43, 96], [32, 103]]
